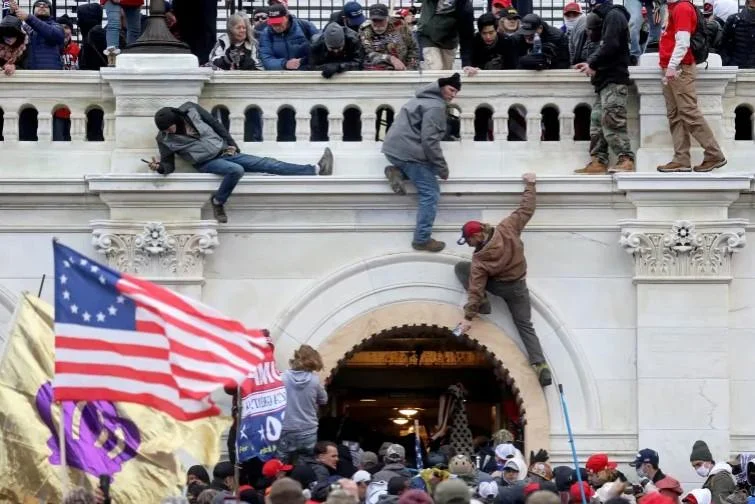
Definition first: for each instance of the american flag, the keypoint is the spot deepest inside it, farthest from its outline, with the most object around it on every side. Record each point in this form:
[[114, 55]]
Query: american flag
[[418, 445], [120, 338]]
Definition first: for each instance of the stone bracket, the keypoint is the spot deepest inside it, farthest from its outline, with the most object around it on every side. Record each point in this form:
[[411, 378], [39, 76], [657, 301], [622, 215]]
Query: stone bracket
[[169, 253], [683, 251]]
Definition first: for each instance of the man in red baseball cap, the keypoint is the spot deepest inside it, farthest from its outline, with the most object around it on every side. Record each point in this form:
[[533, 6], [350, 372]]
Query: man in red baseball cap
[[498, 266]]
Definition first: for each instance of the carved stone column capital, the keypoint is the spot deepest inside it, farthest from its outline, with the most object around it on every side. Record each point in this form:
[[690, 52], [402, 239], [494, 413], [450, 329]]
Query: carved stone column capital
[[683, 251], [166, 252]]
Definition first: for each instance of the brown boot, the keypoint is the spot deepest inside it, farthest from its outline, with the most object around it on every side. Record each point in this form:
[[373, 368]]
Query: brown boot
[[710, 165], [594, 167], [429, 246], [396, 179], [625, 164], [673, 167]]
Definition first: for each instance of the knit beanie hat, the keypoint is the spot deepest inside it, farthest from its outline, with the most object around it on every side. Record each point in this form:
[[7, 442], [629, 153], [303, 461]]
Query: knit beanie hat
[[454, 81], [415, 497], [333, 36], [700, 451], [460, 465], [453, 491], [166, 117]]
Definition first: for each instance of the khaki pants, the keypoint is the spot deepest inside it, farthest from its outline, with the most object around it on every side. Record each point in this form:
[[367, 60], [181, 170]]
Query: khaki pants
[[438, 59], [685, 118]]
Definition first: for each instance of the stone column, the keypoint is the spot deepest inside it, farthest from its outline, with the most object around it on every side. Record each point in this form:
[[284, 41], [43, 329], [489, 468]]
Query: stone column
[[682, 243], [143, 83]]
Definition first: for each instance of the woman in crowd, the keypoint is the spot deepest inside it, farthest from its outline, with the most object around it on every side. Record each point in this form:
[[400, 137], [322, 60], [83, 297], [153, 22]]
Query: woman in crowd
[[237, 48]]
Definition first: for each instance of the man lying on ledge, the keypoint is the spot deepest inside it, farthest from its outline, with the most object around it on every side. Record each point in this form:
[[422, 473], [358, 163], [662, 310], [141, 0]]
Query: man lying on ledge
[[192, 133]]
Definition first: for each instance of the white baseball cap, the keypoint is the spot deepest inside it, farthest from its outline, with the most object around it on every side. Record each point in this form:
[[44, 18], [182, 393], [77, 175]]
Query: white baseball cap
[[362, 477]]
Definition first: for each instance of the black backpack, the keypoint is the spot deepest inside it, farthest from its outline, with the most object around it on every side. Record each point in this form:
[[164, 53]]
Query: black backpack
[[698, 42]]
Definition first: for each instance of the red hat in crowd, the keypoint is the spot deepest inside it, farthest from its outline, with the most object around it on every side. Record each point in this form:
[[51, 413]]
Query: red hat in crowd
[[576, 496], [276, 14], [572, 7], [274, 466], [599, 462], [504, 4]]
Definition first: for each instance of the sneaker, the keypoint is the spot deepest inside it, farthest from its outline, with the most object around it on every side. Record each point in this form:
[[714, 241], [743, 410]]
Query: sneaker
[[395, 179], [625, 164], [543, 374], [429, 246], [710, 165], [485, 308], [218, 211], [111, 52], [326, 163], [594, 167], [673, 167]]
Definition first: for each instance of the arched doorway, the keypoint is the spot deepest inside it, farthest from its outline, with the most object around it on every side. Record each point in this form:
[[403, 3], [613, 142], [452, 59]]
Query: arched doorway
[[398, 375]]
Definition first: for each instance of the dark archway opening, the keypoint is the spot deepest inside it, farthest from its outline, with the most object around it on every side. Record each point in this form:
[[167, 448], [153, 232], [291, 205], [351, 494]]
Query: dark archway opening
[[410, 368], [743, 123]]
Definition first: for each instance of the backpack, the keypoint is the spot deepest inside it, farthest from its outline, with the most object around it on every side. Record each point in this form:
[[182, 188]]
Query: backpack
[[698, 41]]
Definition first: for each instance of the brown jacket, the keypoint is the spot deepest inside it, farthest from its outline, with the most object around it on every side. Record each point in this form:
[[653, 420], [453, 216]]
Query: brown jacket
[[502, 257]]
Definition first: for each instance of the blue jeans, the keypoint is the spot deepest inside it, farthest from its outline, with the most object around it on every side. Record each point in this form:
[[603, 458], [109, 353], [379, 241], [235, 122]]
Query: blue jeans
[[635, 26], [113, 27], [423, 176], [232, 168], [292, 444]]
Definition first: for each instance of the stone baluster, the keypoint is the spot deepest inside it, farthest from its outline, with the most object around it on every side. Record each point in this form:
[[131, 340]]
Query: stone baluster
[[500, 127], [10, 127], [269, 125], [78, 127], [368, 127], [567, 127], [303, 125], [534, 127], [335, 127], [237, 126], [467, 126], [109, 127], [44, 127]]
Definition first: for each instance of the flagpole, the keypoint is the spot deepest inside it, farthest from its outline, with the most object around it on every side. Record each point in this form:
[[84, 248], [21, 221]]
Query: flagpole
[[41, 285], [62, 449], [236, 470]]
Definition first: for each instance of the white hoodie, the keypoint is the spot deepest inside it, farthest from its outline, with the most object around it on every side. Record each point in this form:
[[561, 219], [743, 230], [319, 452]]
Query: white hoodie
[[702, 495], [725, 8], [722, 467]]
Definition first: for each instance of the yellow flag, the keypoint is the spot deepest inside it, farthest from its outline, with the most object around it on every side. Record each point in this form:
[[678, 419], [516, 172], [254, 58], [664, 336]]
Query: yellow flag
[[133, 444]]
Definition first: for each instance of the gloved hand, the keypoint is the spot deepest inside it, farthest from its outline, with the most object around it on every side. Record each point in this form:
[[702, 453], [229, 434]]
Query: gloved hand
[[540, 456], [330, 70]]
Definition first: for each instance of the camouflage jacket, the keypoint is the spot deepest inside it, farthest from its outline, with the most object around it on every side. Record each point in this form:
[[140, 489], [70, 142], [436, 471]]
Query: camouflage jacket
[[397, 41]]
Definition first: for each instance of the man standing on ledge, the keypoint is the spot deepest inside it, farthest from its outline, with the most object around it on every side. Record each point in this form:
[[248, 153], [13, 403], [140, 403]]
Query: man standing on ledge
[[499, 267], [192, 133], [412, 146]]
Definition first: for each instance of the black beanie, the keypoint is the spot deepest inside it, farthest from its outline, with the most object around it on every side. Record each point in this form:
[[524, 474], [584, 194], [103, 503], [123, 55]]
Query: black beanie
[[166, 117], [700, 451], [223, 470], [454, 81]]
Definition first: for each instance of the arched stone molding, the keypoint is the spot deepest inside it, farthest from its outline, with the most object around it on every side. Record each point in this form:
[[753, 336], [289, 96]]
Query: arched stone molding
[[417, 288]]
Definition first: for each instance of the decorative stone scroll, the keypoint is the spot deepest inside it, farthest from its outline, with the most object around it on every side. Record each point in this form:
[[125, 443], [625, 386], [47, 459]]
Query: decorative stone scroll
[[685, 251], [154, 249]]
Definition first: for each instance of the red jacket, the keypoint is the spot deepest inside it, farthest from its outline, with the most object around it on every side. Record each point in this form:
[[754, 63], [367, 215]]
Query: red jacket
[[126, 3], [682, 16]]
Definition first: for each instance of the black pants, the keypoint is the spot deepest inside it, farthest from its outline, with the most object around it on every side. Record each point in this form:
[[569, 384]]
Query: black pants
[[517, 297]]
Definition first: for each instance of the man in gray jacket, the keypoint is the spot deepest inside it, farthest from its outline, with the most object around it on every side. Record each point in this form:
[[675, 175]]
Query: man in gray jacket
[[412, 146], [192, 133]]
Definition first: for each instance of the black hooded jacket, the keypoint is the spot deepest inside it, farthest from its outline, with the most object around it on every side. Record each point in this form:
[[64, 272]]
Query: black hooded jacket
[[89, 19], [555, 47], [611, 60], [739, 37]]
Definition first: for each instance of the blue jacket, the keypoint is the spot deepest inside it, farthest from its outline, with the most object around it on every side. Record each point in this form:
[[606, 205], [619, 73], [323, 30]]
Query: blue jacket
[[277, 48], [45, 44]]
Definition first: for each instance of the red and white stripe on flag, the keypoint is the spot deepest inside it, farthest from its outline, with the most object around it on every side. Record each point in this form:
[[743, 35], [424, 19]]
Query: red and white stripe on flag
[[179, 353]]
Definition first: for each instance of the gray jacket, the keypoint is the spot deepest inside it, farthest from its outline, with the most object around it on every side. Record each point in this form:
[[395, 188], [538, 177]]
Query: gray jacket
[[211, 141], [416, 134], [304, 393]]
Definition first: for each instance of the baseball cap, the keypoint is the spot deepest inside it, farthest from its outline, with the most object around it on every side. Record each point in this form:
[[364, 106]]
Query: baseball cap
[[572, 7], [469, 229], [276, 14], [353, 13], [395, 453], [505, 4], [511, 465], [530, 24], [361, 476], [598, 462], [505, 450], [646, 455], [378, 11], [274, 466], [511, 13]]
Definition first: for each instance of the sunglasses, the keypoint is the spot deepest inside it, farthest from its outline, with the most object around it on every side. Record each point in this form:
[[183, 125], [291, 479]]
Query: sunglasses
[[260, 17]]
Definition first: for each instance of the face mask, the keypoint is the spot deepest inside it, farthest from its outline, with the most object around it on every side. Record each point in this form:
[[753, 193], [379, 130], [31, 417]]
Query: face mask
[[570, 23], [641, 473], [703, 471]]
